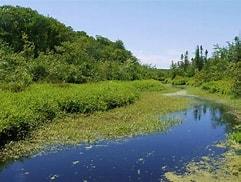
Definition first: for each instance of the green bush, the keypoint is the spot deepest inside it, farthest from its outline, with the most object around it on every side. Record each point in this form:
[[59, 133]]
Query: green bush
[[236, 88], [148, 85], [39, 72], [14, 74], [221, 86], [179, 80], [23, 111], [236, 136]]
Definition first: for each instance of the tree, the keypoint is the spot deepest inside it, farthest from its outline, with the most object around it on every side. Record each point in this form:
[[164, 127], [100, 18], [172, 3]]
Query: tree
[[237, 49], [186, 61], [182, 57], [28, 47], [44, 49], [198, 59], [44, 32], [206, 56]]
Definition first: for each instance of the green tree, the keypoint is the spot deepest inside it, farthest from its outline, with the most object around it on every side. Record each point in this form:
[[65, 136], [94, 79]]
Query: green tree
[[186, 61]]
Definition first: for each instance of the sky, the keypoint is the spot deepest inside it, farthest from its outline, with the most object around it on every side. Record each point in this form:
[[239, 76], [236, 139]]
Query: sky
[[156, 31]]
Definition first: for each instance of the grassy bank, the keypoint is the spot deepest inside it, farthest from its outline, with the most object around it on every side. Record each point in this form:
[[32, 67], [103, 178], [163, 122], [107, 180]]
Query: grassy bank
[[22, 112], [225, 169], [138, 118]]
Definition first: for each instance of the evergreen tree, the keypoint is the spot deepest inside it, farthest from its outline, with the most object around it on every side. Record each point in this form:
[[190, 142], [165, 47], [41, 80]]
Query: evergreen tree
[[206, 57], [186, 61], [197, 58], [182, 57]]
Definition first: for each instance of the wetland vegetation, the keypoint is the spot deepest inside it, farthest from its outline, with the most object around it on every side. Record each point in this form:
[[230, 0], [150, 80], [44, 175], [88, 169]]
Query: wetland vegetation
[[60, 87]]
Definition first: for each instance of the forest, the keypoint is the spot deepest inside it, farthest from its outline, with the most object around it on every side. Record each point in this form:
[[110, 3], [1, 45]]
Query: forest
[[35, 48]]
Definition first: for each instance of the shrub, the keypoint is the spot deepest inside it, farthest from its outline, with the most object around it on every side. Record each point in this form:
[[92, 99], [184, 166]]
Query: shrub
[[237, 80], [236, 136], [23, 111], [179, 80], [148, 85], [221, 86], [39, 72]]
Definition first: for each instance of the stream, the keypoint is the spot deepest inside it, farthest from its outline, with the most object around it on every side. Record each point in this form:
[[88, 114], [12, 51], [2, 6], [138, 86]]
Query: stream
[[141, 158]]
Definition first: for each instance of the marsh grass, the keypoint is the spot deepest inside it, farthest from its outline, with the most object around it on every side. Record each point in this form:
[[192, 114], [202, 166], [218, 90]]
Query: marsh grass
[[136, 119]]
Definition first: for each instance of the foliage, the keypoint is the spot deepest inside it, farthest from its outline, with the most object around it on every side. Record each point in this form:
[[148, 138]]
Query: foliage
[[14, 73], [221, 86], [17, 24], [237, 80], [35, 48], [179, 80], [219, 73], [24, 111], [147, 85], [236, 136]]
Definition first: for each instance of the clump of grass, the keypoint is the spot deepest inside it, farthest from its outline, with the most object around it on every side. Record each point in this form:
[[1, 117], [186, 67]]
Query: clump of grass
[[22, 112], [139, 118]]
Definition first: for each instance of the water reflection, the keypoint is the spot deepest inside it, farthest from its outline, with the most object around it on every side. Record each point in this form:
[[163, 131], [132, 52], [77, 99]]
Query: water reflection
[[143, 158], [219, 115]]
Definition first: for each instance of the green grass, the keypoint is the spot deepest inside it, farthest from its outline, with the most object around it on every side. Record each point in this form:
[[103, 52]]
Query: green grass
[[135, 119], [22, 112]]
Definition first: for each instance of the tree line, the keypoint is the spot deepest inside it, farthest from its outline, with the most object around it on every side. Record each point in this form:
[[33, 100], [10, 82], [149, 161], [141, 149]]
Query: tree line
[[36, 48], [221, 71], [186, 67]]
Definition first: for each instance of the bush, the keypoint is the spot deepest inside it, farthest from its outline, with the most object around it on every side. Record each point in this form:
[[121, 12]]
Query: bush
[[148, 85], [221, 86], [236, 136], [17, 81], [237, 80], [39, 72], [179, 80], [21, 112]]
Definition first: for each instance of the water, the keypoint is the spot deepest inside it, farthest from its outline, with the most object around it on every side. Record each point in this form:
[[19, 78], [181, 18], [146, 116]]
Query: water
[[142, 158]]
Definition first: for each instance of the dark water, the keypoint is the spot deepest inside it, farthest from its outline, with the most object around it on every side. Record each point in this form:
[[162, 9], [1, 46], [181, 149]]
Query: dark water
[[143, 158]]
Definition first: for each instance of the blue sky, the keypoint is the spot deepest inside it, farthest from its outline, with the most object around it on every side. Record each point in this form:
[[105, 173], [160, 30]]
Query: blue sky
[[156, 31]]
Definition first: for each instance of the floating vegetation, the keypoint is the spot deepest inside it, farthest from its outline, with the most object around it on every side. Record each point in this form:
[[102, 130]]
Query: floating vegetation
[[225, 168]]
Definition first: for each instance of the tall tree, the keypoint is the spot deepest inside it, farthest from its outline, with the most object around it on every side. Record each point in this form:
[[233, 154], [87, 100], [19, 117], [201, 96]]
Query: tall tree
[[198, 58], [186, 61], [206, 56]]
